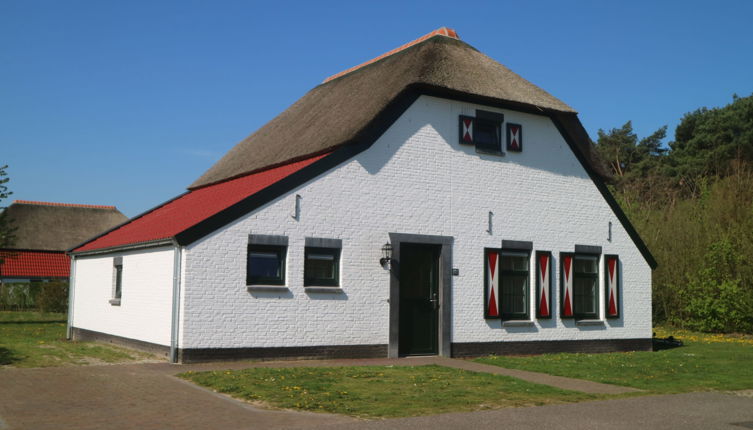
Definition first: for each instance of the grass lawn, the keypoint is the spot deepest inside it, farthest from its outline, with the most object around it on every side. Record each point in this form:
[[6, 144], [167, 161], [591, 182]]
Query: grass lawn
[[706, 362], [34, 339], [371, 392]]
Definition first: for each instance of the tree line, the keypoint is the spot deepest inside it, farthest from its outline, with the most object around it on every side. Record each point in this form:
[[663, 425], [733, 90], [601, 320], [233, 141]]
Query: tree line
[[692, 202]]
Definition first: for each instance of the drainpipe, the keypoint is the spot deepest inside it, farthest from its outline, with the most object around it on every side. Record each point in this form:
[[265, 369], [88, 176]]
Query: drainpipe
[[71, 284], [176, 304]]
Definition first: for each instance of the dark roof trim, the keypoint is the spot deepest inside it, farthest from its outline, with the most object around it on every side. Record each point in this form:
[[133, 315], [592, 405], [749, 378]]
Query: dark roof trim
[[572, 130], [159, 243]]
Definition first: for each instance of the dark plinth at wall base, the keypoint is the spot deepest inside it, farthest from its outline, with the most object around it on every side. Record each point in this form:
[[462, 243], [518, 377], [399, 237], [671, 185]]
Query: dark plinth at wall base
[[475, 349], [285, 352], [95, 336]]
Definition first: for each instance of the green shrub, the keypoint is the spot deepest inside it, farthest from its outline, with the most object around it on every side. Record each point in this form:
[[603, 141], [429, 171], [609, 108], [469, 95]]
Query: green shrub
[[53, 297]]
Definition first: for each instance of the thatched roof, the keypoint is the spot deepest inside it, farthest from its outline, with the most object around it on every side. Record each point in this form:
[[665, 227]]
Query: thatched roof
[[59, 226], [335, 112]]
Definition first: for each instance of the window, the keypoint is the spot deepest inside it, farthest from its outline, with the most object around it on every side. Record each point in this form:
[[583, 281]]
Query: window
[[266, 264], [514, 285], [321, 267], [117, 280], [586, 286], [484, 131]]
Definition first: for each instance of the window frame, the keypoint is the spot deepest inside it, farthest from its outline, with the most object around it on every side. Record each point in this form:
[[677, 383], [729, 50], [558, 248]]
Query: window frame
[[264, 280], [117, 281], [515, 316], [595, 277], [322, 282]]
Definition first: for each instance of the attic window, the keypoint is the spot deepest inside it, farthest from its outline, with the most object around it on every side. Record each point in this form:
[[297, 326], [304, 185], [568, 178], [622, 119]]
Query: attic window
[[484, 131]]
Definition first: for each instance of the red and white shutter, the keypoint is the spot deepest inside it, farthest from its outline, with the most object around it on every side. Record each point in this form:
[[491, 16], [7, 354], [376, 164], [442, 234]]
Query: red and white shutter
[[611, 270], [466, 130], [543, 284], [566, 294], [514, 137], [491, 290]]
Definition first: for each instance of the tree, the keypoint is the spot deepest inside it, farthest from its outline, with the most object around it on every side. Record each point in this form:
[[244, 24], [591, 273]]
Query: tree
[[707, 141], [7, 231], [622, 151]]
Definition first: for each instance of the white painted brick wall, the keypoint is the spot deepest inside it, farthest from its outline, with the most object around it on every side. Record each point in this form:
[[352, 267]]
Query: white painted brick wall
[[415, 179], [146, 305]]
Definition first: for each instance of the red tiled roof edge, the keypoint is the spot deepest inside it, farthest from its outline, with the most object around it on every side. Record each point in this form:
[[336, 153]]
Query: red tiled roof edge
[[444, 31], [34, 264], [71, 205], [185, 211]]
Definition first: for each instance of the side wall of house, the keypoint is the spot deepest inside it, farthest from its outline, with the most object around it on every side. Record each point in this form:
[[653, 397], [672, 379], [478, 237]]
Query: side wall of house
[[415, 179], [145, 309]]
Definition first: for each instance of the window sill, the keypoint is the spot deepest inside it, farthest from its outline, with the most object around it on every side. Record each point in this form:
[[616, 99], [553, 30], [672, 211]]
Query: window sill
[[330, 290], [115, 302], [266, 288], [589, 322], [517, 323]]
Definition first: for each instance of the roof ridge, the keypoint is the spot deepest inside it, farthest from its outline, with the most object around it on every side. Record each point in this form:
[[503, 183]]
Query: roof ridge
[[442, 31], [72, 205]]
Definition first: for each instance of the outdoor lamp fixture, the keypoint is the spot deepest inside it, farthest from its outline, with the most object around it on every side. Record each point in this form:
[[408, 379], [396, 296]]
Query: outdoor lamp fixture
[[386, 255]]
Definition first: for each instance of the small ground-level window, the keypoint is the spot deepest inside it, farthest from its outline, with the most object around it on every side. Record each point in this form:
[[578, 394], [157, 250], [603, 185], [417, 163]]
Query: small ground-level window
[[586, 286], [266, 265], [321, 267], [515, 286]]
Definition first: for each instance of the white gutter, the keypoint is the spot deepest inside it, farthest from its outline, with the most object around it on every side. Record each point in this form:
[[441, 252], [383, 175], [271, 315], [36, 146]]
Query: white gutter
[[71, 284], [176, 304]]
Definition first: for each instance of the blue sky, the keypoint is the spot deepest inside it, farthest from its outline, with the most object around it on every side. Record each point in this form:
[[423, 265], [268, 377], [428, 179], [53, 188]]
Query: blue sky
[[127, 102]]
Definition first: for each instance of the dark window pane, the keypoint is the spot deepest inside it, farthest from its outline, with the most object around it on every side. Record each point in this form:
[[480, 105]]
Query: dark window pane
[[585, 286], [264, 264], [586, 265], [514, 285], [118, 281], [321, 266], [514, 289], [486, 135]]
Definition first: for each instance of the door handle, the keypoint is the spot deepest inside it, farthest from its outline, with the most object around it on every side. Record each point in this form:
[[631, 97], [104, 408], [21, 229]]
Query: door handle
[[434, 301]]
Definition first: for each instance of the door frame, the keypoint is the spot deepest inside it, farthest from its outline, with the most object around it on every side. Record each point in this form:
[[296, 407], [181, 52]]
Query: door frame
[[445, 289]]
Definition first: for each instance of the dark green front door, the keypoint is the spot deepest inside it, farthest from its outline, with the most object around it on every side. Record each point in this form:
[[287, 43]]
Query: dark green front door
[[419, 299]]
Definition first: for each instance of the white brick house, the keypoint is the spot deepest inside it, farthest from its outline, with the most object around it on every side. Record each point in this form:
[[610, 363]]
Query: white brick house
[[504, 238]]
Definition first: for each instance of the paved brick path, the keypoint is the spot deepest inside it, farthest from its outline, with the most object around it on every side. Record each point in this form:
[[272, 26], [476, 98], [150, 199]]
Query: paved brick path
[[148, 396], [129, 397]]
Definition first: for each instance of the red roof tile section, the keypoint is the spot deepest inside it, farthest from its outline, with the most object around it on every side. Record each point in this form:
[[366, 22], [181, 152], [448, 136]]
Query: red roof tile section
[[71, 205], [444, 31], [34, 264], [193, 207]]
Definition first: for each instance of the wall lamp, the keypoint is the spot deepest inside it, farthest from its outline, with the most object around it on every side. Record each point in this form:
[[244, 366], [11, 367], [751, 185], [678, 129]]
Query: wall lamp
[[386, 255]]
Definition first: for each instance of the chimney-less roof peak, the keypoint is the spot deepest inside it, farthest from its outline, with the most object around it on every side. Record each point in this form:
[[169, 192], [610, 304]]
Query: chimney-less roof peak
[[442, 31]]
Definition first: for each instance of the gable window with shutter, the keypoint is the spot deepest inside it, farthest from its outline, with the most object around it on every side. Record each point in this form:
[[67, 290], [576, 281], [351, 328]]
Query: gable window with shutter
[[484, 131]]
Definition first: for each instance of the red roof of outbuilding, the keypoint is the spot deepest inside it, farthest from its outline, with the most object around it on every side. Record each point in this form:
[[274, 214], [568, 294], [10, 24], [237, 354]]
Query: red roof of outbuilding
[[34, 264], [189, 209]]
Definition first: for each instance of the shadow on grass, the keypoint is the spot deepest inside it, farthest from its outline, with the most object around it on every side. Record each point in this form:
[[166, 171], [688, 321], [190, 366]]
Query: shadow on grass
[[7, 356], [662, 343]]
